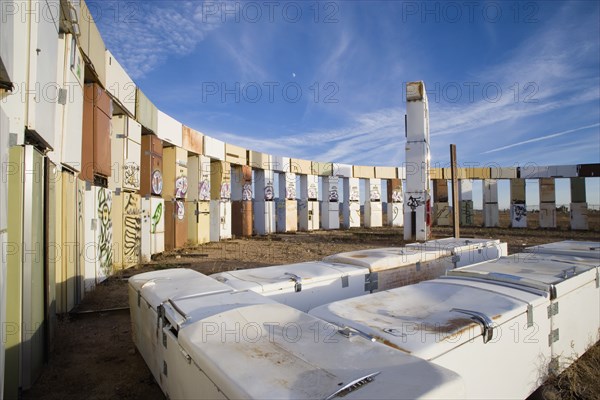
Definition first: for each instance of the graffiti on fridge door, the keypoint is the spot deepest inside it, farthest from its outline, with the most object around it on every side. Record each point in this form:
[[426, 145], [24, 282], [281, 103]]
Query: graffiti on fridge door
[[131, 175], [247, 192], [157, 182], [132, 228], [105, 235], [225, 191], [269, 191], [375, 195], [181, 187], [204, 189], [354, 194], [156, 216], [333, 194], [520, 211]]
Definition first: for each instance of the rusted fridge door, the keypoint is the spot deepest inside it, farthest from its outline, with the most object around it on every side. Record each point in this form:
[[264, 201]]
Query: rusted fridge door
[[101, 147], [241, 218], [151, 181], [175, 225]]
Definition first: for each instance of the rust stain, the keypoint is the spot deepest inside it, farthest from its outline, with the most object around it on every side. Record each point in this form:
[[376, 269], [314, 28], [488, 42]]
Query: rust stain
[[453, 326], [388, 343], [497, 316], [359, 256]]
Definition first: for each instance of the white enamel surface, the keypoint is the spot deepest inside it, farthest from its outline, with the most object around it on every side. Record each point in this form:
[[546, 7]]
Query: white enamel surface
[[159, 286], [386, 258], [232, 336], [568, 247], [170, 130]]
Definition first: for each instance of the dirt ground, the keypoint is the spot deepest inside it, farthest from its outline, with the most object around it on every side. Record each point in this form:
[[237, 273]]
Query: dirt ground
[[94, 357]]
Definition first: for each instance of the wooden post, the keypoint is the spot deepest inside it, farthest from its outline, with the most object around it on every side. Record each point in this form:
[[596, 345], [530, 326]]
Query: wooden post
[[455, 205]]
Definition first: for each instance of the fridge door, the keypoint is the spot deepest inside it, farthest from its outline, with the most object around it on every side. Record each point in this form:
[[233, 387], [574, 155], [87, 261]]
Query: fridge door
[[302, 286], [456, 326]]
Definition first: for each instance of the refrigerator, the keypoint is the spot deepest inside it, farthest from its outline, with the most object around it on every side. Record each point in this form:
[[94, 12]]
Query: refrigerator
[[126, 155], [96, 149], [308, 215], [127, 230], [393, 267], [151, 166], [465, 251], [461, 325], [287, 215], [220, 220], [153, 227], [198, 215], [569, 283], [302, 286], [574, 248], [176, 229], [212, 341]]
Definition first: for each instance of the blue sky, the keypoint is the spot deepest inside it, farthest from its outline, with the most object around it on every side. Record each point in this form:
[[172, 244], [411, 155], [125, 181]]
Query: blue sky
[[510, 83]]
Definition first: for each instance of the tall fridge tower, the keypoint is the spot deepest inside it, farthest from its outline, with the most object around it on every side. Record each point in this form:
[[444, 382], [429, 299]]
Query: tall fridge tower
[[417, 206]]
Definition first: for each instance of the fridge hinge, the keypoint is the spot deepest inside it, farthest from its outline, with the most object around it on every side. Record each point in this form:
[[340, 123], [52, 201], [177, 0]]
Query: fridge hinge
[[455, 259], [418, 266], [552, 309], [553, 337], [597, 278], [139, 299], [185, 355], [120, 136], [371, 282], [62, 96], [345, 281], [529, 315], [164, 338], [165, 371]]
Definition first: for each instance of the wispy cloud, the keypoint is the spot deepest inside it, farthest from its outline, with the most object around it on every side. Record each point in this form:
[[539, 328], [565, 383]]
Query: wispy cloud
[[541, 138], [145, 35]]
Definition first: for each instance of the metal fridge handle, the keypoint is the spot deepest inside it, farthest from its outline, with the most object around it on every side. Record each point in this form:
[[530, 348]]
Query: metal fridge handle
[[297, 281], [355, 384], [485, 322]]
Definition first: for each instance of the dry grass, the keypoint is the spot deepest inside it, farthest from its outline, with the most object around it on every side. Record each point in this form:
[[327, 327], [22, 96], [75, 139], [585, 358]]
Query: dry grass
[[581, 381]]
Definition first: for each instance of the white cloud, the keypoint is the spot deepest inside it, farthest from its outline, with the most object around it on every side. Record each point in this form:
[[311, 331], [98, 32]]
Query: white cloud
[[153, 33]]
